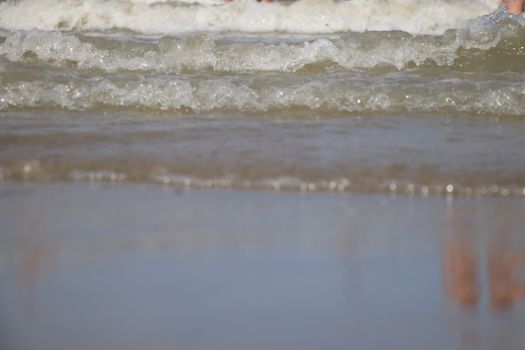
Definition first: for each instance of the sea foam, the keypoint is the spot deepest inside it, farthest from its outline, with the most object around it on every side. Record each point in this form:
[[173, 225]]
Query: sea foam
[[461, 49], [302, 16]]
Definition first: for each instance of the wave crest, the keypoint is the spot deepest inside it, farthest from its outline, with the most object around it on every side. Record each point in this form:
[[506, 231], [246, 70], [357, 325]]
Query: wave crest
[[464, 49], [302, 16], [359, 95]]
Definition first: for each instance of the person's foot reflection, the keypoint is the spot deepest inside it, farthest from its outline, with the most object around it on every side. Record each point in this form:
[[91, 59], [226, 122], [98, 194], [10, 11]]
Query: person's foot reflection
[[504, 261], [460, 272], [505, 287]]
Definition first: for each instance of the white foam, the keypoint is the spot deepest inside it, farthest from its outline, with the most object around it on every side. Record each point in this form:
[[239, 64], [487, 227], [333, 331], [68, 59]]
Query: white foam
[[200, 52], [302, 16], [349, 95]]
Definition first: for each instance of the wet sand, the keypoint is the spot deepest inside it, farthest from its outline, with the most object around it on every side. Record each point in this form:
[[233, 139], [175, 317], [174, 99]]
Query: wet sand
[[128, 266]]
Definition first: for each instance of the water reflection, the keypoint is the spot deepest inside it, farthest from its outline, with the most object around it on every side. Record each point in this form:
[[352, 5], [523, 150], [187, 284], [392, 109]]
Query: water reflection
[[332, 278], [479, 260], [476, 261], [461, 273], [505, 288]]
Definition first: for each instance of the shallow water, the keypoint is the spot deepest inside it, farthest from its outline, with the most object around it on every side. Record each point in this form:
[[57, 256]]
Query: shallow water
[[426, 104], [418, 155], [308, 174], [133, 267]]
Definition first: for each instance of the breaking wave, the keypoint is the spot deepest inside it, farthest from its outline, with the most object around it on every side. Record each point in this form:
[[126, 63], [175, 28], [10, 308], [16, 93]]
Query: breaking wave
[[460, 49], [359, 95], [302, 16]]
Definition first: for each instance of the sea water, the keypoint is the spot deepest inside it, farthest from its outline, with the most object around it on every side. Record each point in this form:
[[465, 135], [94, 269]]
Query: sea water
[[395, 96], [309, 174]]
